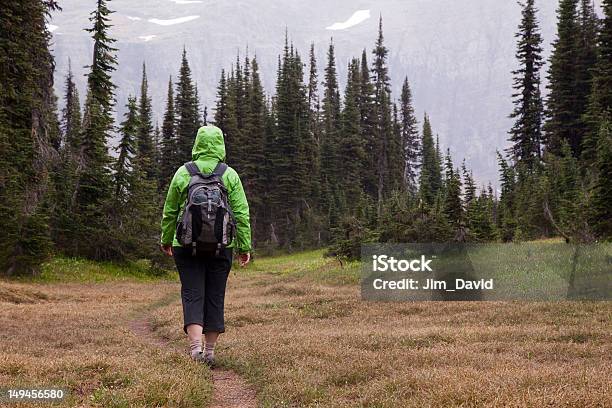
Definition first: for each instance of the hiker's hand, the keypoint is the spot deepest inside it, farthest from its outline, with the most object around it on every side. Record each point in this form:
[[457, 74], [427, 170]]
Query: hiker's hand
[[166, 249], [244, 259]]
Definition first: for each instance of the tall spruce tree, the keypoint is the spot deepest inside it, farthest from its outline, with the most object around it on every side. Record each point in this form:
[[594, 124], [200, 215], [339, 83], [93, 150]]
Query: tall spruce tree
[[602, 191], [526, 133], [130, 131], [453, 208], [366, 124], [253, 172], [350, 145], [314, 103], [506, 213], [144, 141], [409, 139], [385, 144], [26, 134], [71, 114], [563, 114], [430, 180], [186, 113], [168, 162], [586, 58], [95, 185], [331, 122], [600, 101]]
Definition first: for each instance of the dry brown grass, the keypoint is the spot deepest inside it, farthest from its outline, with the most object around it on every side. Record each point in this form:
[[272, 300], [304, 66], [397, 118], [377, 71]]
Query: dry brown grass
[[308, 344], [76, 336]]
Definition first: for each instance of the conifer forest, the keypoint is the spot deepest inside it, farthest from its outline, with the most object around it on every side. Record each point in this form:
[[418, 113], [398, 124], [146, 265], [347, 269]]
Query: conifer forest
[[324, 163]]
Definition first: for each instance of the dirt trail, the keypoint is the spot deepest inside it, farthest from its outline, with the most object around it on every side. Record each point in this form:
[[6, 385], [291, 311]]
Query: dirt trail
[[230, 390]]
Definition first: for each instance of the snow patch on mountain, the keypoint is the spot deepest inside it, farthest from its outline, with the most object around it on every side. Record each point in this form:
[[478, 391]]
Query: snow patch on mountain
[[172, 21], [358, 17], [52, 27], [147, 38], [186, 1], [134, 18]]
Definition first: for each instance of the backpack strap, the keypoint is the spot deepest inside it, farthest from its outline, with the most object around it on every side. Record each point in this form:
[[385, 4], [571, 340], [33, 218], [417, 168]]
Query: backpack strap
[[192, 168], [220, 169]]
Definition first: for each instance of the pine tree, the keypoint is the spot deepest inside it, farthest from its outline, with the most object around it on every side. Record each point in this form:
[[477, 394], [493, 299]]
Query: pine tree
[[410, 139], [387, 144], [331, 122], [526, 134], [144, 142], [430, 180], [288, 166], [452, 203], [221, 109], [314, 104], [27, 134], [563, 114], [95, 185], [350, 147], [506, 214], [130, 132], [383, 125], [253, 173], [600, 100], [231, 128], [186, 114], [169, 162], [602, 191], [71, 114], [367, 123], [586, 59]]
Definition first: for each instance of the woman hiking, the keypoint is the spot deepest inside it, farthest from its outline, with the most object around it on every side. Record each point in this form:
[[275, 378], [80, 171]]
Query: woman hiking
[[206, 201]]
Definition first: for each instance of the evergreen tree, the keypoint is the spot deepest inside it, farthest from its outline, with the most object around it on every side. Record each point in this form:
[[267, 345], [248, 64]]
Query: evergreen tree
[[27, 134], [506, 213], [314, 104], [168, 162], [130, 132], [289, 169], [253, 175], [586, 59], [430, 180], [144, 145], [95, 184], [564, 116], [470, 186], [600, 100], [452, 204], [231, 128], [221, 109], [350, 148], [409, 138], [367, 124], [602, 191], [186, 113], [331, 122], [71, 114], [526, 134], [383, 125]]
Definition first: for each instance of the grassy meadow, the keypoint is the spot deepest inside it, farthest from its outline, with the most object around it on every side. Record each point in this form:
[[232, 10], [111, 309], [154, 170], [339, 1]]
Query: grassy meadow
[[299, 332]]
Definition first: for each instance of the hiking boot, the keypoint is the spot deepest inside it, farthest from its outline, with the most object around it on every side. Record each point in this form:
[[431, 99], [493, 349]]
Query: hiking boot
[[208, 360], [199, 357]]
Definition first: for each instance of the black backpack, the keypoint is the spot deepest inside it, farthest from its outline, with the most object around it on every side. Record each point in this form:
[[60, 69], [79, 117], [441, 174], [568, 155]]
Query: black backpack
[[207, 224]]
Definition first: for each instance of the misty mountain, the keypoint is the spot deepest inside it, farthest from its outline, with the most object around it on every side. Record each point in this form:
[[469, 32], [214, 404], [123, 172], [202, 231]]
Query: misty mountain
[[458, 55]]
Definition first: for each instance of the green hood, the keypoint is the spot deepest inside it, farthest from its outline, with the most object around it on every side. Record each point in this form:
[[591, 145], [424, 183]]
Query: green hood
[[209, 144]]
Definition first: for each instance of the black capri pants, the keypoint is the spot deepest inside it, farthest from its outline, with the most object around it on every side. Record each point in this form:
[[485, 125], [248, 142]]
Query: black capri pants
[[203, 280]]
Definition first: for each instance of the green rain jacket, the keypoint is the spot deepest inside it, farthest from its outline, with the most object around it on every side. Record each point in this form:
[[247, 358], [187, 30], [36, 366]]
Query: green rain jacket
[[208, 150]]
